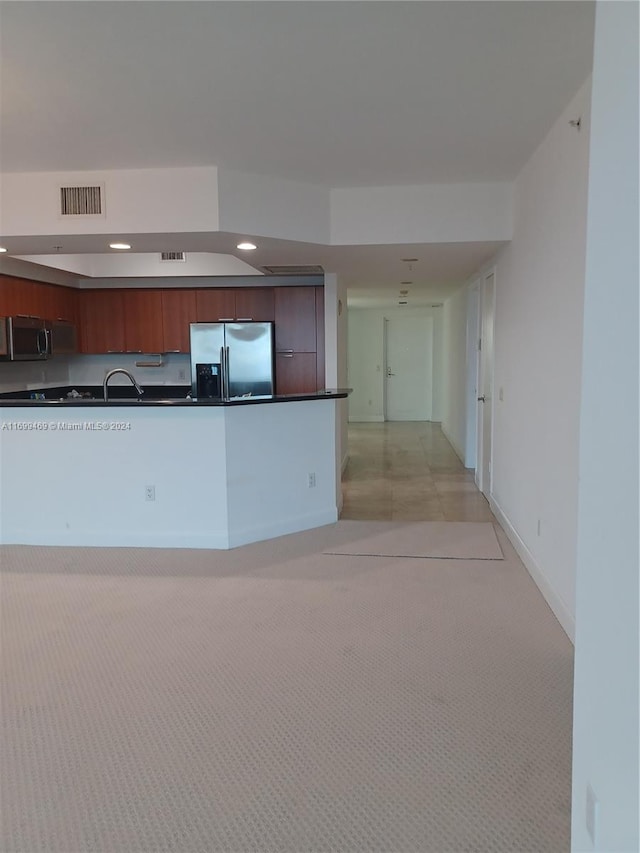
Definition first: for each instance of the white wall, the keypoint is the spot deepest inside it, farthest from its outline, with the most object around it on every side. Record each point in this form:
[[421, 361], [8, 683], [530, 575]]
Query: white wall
[[432, 213], [606, 713], [136, 201], [454, 406], [366, 360], [538, 359], [273, 207]]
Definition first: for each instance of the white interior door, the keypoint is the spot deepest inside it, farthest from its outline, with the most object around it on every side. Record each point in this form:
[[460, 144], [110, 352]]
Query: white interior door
[[485, 384], [409, 368]]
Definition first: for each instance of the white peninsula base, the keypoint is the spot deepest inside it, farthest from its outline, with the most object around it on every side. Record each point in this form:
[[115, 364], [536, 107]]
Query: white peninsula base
[[218, 477]]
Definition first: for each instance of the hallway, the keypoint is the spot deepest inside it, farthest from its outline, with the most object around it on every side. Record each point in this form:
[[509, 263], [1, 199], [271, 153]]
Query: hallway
[[408, 471]]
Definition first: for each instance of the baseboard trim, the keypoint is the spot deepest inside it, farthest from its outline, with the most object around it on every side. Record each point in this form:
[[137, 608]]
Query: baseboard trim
[[557, 605], [260, 533], [218, 541], [459, 453], [366, 419]]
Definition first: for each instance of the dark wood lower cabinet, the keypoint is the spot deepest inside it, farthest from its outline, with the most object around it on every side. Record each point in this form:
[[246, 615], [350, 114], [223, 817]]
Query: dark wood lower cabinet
[[296, 373]]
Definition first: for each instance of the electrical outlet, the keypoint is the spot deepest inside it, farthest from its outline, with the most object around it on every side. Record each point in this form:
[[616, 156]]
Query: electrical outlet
[[539, 526], [501, 394], [182, 373], [312, 480], [150, 493], [592, 814]]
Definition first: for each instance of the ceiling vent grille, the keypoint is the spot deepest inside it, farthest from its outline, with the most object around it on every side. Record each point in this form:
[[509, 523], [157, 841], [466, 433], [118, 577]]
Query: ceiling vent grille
[[300, 269], [173, 256], [81, 201]]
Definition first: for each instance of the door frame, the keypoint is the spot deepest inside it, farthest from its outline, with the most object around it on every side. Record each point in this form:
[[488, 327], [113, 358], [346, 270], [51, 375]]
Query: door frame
[[472, 373], [484, 409], [385, 343]]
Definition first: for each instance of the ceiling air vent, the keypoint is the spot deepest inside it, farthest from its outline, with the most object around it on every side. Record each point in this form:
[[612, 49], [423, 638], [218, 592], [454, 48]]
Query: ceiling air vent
[[300, 269], [82, 201], [173, 256]]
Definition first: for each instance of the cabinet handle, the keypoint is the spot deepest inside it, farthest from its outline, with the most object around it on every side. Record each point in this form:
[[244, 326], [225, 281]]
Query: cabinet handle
[[115, 351], [285, 354], [225, 320], [133, 351], [280, 351], [244, 320], [167, 351], [64, 319]]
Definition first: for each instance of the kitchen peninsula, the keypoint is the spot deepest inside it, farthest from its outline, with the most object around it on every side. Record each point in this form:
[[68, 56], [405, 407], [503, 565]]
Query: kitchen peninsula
[[173, 473]]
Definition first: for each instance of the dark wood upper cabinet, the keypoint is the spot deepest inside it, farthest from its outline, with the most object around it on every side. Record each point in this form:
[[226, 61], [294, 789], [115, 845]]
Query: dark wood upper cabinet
[[215, 305], [61, 303], [102, 321], [143, 321], [178, 311], [255, 303], [34, 298], [295, 317]]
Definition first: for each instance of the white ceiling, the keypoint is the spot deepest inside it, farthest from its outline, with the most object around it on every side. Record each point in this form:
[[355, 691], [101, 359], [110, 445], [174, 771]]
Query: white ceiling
[[333, 93]]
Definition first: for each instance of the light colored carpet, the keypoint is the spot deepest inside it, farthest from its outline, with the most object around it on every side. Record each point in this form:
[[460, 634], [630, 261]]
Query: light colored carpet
[[443, 540], [274, 700]]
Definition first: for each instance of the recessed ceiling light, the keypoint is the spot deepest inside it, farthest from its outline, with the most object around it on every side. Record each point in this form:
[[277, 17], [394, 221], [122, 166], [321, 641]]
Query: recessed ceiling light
[[2, 249], [119, 246], [246, 247]]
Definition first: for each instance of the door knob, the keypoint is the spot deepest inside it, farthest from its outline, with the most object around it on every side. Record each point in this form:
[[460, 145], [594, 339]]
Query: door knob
[[389, 373], [481, 399]]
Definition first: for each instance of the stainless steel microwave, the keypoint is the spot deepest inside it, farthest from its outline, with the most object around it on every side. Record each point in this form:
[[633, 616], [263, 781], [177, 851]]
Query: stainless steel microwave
[[24, 339]]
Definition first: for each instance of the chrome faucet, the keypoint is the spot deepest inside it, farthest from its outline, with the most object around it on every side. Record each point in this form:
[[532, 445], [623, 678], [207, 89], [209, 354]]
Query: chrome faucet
[[111, 373]]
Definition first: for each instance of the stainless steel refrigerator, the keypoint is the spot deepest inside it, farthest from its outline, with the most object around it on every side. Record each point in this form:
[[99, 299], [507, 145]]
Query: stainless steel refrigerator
[[231, 360]]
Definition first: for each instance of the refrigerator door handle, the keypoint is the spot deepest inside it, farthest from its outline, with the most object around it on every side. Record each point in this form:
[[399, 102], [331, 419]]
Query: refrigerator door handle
[[223, 373], [226, 373]]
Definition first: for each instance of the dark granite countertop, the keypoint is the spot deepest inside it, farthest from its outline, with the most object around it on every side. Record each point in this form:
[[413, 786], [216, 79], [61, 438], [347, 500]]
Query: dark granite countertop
[[57, 398]]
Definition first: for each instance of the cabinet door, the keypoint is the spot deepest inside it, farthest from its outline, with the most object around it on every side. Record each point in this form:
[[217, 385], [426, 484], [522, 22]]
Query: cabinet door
[[178, 311], [296, 373], [295, 317], [214, 305], [61, 303], [255, 303], [143, 320], [101, 321], [49, 301], [22, 296]]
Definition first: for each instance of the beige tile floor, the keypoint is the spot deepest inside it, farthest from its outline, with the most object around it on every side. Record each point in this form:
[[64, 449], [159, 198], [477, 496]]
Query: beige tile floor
[[408, 472]]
